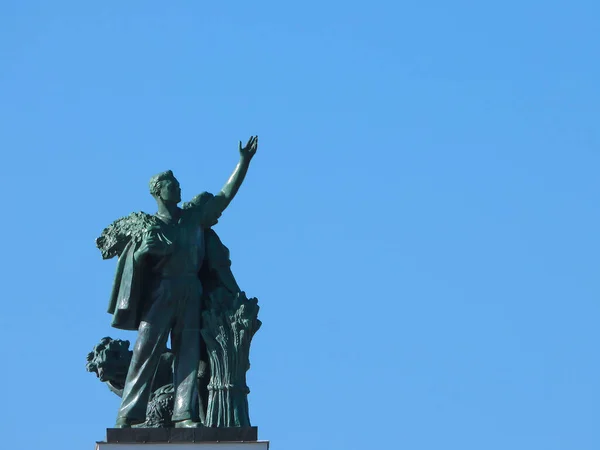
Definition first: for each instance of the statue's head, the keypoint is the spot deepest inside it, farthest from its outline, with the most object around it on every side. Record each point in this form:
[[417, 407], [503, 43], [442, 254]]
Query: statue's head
[[109, 360], [164, 186]]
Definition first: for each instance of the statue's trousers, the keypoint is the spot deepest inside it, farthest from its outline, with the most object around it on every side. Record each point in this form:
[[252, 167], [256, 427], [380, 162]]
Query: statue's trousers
[[174, 308]]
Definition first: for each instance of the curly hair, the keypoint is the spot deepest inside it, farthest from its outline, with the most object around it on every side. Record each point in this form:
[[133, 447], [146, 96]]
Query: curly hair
[[156, 180], [98, 353], [91, 365]]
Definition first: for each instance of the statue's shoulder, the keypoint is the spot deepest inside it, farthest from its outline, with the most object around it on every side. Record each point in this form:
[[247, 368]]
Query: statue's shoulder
[[206, 207], [117, 235], [198, 201]]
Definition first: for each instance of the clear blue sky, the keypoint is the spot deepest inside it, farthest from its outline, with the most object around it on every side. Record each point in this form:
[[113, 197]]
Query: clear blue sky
[[421, 223]]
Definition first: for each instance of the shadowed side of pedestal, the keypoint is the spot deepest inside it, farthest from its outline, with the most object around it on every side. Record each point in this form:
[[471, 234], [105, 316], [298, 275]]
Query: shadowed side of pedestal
[[203, 434]]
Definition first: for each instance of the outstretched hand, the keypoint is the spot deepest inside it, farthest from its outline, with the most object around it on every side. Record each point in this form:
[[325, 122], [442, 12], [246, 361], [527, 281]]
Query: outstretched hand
[[248, 152]]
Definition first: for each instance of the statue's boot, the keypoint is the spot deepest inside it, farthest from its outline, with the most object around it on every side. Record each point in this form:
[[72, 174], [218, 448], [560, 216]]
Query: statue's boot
[[123, 422], [188, 423]]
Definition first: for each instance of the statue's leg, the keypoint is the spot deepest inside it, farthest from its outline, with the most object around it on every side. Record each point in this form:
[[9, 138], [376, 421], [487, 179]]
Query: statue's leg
[[203, 379], [150, 344], [186, 347]]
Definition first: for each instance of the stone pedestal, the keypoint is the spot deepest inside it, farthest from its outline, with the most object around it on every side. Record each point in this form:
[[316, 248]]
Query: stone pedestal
[[257, 445], [238, 438]]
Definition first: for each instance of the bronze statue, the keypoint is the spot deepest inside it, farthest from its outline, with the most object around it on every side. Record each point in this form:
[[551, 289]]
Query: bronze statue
[[173, 277]]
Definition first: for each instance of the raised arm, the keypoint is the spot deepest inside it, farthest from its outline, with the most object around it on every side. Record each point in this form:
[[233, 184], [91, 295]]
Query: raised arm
[[223, 198]]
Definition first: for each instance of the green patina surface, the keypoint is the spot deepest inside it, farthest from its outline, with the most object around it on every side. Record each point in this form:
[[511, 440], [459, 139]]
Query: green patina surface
[[174, 278]]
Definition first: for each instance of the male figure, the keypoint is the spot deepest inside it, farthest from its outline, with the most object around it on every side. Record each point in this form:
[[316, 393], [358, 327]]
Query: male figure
[[158, 290]]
